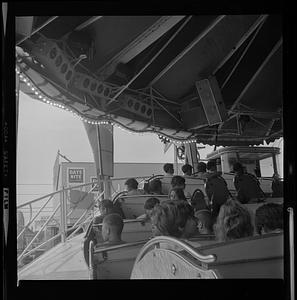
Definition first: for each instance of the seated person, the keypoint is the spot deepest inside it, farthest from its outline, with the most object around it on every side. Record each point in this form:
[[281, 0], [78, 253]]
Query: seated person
[[211, 167], [198, 200], [277, 186], [168, 169], [112, 228], [216, 188], [246, 185], [148, 208], [186, 220], [187, 170], [177, 194], [155, 187], [204, 221], [233, 222], [105, 207], [269, 218], [132, 187], [173, 218], [179, 182], [201, 170]]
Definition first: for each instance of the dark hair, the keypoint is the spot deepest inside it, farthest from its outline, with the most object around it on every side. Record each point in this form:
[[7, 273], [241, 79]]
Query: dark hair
[[151, 202], [177, 180], [115, 221], [106, 203], [198, 200], [201, 167], [179, 193], [167, 167], [238, 167], [186, 168], [233, 222], [269, 217], [131, 183], [155, 186], [211, 164]]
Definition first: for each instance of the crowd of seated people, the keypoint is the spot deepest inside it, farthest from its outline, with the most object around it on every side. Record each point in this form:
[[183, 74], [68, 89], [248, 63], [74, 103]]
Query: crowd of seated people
[[184, 216]]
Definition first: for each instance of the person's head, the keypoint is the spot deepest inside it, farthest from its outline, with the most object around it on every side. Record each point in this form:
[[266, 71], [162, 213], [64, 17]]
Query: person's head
[[177, 194], [198, 200], [131, 184], [204, 221], [105, 207], [186, 220], [173, 218], [233, 222], [163, 218], [112, 227], [187, 169], [268, 218], [178, 182], [168, 169], [211, 165], [238, 168], [155, 186], [149, 205], [201, 167]]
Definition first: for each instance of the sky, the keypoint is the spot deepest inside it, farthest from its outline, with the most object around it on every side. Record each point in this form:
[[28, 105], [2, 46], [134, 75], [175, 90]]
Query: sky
[[44, 129]]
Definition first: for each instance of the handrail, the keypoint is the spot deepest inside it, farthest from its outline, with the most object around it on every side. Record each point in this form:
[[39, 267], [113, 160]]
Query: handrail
[[30, 221], [74, 187], [40, 230], [64, 215], [91, 261], [185, 246]]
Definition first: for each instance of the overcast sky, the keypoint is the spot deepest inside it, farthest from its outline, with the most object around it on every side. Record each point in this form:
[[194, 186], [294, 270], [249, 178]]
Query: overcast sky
[[44, 129]]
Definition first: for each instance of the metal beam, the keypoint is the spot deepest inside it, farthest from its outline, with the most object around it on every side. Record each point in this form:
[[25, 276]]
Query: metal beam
[[272, 52], [243, 53], [186, 50], [88, 22], [144, 40], [150, 61], [241, 41], [37, 29]]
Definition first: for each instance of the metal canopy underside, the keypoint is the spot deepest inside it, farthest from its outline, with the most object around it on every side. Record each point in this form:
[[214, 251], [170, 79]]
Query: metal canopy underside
[[155, 61]]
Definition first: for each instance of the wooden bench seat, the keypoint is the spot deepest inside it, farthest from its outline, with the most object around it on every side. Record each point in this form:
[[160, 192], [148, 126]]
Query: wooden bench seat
[[133, 206], [254, 257]]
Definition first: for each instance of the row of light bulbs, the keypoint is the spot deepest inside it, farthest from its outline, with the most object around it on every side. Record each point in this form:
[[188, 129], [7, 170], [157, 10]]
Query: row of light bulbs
[[90, 121]]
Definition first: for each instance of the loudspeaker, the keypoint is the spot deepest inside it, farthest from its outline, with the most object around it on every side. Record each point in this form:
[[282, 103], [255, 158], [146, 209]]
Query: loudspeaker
[[212, 101]]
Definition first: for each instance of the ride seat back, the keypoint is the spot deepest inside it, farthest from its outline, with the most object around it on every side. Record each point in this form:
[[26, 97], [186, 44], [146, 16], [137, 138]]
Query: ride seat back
[[253, 257], [193, 184], [117, 264], [133, 206]]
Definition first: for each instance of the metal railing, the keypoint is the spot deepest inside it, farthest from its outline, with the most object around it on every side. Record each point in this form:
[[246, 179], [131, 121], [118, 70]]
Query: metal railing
[[65, 212]]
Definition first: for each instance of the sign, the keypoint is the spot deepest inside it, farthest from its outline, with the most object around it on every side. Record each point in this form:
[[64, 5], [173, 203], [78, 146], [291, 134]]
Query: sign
[[76, 175], [95, 185]]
